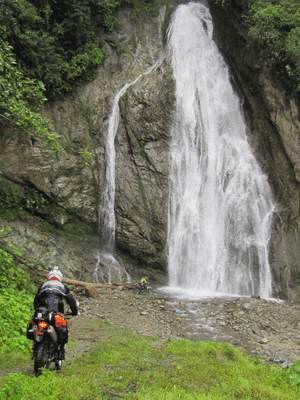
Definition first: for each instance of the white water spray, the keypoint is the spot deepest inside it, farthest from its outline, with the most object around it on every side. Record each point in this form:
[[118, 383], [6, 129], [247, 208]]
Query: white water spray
[[107, 267], [220, 205]]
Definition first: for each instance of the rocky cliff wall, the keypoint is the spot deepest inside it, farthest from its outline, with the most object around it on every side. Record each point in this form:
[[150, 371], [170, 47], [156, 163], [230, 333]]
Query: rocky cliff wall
[[54, 215], [274, 132], [52, 201]]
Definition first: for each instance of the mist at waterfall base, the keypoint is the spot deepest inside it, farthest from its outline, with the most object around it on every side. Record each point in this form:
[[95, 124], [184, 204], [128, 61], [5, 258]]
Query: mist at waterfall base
[[220, 203]]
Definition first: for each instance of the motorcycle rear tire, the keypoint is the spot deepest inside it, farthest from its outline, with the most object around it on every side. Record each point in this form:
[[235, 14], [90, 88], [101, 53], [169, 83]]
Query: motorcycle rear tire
[[39, 358]]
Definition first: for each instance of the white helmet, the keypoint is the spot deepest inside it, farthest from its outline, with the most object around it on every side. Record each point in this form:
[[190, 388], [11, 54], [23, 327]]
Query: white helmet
[[55, 273]]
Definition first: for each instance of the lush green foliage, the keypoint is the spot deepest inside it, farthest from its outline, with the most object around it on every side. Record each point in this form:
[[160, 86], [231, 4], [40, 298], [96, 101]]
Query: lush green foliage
[[46, 46], [21, 98], [275, 26], [57, 42], [131, 367], [15, 305]]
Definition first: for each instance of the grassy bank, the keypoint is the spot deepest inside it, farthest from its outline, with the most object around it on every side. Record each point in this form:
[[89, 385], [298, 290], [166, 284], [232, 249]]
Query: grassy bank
[[134, 367], [16, 296]]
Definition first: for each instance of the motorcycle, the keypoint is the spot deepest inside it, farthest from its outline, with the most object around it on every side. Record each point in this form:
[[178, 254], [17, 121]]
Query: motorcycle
[[47, 330], [142, 287]]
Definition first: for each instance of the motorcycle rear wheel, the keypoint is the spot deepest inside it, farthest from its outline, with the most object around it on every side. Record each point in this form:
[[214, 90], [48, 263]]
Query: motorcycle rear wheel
[[39, 358]]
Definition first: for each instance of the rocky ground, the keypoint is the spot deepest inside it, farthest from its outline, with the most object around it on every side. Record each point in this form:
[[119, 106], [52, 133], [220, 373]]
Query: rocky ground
[[264, 328], [269, 330]]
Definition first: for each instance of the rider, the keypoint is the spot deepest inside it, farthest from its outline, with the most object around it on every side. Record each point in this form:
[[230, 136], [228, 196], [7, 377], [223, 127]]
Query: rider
[[51, 295], [143, 284]]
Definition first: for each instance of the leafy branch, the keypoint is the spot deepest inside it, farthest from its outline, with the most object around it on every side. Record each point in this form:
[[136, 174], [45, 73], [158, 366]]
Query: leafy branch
[[21, 99]]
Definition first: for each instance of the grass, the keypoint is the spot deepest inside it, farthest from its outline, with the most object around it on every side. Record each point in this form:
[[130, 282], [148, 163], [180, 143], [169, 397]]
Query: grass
[[10, 360], [128, 366]]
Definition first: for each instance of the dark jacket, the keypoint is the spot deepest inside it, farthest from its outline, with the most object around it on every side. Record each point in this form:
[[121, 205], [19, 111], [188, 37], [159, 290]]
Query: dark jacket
[[52, 295]]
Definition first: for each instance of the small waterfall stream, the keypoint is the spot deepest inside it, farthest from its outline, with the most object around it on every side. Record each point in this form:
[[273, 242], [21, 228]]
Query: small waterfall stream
[[220, 205], [107, 267]]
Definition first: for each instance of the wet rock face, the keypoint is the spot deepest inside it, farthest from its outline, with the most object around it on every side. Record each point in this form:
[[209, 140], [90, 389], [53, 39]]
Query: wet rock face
[[72, 181], [273, 119], [142, 167]]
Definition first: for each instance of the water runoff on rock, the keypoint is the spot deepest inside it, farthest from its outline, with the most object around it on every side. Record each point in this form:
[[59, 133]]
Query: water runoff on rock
[[107, 267], [220, 205]]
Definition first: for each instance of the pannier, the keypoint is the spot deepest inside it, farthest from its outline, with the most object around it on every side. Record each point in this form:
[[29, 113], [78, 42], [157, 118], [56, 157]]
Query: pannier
[[61, 326]]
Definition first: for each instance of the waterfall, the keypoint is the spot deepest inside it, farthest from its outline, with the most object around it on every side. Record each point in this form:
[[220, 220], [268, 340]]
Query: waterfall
[[220, 202], [107, 219], [107, 267]]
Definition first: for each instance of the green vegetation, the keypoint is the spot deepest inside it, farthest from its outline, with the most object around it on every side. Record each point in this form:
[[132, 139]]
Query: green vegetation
[[294, 374], [274, 29], [56, 42], [46, 48], [275, 26], [147, 6], [134, 367], [21, 99], [59, 42], [15, 305], [124, 365]]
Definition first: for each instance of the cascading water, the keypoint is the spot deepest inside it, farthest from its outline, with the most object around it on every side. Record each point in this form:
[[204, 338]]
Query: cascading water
[[220, 205], [107, 219], [107, 267]]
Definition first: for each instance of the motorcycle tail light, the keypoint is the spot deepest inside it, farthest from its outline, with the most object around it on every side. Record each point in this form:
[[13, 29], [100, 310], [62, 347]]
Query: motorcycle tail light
[[42, 325]]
